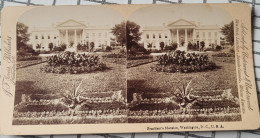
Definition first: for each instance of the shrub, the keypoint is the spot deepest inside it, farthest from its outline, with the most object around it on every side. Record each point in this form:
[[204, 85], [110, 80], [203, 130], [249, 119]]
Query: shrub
[[108, 48], [70, 62], [218, 47], [61, 47], [192, 46], [171, 47], [179, 61]]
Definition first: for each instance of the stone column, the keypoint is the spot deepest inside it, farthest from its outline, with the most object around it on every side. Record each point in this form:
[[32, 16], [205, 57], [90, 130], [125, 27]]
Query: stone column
[[207, 39], [67, 38], [169, 37], [218, 38], [75, 37], [186, 38], [177, 35], [193, 39]]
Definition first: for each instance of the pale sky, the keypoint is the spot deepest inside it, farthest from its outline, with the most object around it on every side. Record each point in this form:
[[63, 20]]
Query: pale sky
[[92, 15], [157, 15]]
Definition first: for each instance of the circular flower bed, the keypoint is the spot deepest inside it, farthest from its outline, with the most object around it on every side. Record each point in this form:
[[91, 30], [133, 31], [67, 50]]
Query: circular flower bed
[[180, 61], [71, 62]]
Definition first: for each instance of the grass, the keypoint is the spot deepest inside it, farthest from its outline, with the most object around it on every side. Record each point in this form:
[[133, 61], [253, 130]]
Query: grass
[[31, 81], [141, 80], [134, 63]]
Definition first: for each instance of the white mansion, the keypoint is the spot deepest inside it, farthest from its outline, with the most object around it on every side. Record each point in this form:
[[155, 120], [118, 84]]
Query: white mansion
[[71, 33], [182, 32]]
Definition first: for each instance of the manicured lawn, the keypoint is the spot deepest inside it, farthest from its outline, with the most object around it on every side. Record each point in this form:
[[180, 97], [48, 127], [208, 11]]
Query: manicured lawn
[[142, 80], [31, 81]]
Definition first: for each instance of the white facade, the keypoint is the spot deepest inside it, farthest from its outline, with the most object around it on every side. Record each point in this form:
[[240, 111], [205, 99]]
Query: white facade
[[71, 33], [181, 32]]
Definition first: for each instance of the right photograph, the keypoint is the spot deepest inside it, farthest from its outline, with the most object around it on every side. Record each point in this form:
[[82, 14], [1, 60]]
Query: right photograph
[[181, 65]]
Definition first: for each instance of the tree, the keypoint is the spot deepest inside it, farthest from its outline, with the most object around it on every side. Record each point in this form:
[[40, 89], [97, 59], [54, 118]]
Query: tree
[[150, 45], [92, 45], [22, 35], [228, 31], [162, 45], [50, 46], [127, 33], [202, 44], [133, 34], [120, 33]]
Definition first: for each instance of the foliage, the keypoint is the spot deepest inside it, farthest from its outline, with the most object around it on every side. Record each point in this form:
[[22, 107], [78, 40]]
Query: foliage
[[83, 47], [150, 45], [218, 48], [192, 46], [119, 31], [92, 45], [161, 45], [50, 46], [62, 47], [179, 61], [70, 62], [108, 48], [228, 31], [173, 46], [25, 50], [133, 34], [202, 44], [22, 35]]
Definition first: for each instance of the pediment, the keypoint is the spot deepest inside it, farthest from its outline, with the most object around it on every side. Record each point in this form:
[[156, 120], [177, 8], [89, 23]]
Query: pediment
[[71, 23], [181, 22]]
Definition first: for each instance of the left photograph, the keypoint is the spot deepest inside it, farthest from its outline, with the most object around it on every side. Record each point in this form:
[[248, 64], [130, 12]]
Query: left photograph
[[71, 67]]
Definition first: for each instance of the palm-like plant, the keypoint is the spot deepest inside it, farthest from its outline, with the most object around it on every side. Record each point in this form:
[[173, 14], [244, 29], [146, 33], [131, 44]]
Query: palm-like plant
[[183, 97], [72, 98]]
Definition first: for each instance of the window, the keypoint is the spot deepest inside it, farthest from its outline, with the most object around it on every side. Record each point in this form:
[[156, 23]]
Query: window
[[36, 37], [166, 36], [203, 35], [216, 34], [93, 35], [99, 35], [198, 34], [209, 34], [153, 35], [160, 36], [105, 42], [147, 36], [49, 37], [105, 34]]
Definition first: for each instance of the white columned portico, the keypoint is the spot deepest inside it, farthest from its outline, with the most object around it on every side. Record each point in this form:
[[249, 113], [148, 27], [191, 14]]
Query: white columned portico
[[169, 38], [75, 37], [186, 38], [218, 39], [178, 37], [207, 39], [67, 38]]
